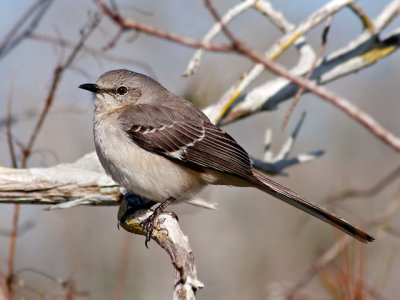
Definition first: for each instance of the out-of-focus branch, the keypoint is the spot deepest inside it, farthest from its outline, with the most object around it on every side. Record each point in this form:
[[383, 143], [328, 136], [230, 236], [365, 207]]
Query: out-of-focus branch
[[368, 192], [89, 50], [10, 139], [276, 164], [168, 235], [12, 39], [58, 72], [229, 16]]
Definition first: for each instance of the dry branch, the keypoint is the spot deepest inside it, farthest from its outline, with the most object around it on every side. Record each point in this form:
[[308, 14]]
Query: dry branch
[[80, 183], [169, 236]]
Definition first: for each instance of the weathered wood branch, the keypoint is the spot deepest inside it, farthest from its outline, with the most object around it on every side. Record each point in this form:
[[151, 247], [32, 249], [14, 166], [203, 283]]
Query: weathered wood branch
[[80, 183], [169, 236]]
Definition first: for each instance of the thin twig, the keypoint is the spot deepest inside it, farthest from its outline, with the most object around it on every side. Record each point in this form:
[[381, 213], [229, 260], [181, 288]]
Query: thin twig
[[369, 192], [58, 72], [11, 254], [14, 233], [229, 16], [12, 40], [151, 30], [111, 44], [10, 140], [90, 50], [308, 75]]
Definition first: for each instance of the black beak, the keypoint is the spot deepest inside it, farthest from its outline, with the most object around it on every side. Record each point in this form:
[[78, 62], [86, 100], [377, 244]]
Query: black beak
[[91, 87]]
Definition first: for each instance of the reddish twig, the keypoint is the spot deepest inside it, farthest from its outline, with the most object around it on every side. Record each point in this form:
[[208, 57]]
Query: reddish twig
[[114, 40], [90, 50], [308, 75], [151, 30], [9, 132], [11, 255], [14, 233], [369, 192], [58, 72]]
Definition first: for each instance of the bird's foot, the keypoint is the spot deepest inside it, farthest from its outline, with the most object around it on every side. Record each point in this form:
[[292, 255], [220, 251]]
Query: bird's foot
[[149, 223], [130, 204]]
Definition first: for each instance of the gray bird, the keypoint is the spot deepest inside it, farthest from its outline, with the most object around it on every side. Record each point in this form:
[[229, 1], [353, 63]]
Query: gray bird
[[160, 146]]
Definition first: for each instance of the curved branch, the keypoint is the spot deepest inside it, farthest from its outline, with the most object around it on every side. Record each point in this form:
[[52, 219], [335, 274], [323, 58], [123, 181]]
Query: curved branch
[[169, 236]]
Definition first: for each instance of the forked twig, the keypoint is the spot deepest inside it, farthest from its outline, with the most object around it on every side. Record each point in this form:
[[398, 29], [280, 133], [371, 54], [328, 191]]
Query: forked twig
[[58, 72]]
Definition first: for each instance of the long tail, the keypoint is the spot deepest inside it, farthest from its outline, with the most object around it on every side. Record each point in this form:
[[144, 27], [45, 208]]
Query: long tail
[[275, 189]]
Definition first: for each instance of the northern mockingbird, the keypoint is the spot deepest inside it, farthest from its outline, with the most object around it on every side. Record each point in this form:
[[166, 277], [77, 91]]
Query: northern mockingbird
[[160, 146]]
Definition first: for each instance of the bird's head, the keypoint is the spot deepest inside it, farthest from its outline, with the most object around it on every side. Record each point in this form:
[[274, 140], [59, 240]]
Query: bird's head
[[119, 88]]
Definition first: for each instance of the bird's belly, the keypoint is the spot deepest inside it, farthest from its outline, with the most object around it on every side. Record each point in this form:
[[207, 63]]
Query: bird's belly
[[142, 172]]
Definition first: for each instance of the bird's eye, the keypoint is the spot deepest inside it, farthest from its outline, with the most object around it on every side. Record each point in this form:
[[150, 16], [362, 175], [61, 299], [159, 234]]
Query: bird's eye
[[122, 90]]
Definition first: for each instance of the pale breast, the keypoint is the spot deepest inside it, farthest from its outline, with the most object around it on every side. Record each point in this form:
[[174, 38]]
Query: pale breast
[[144, 173]]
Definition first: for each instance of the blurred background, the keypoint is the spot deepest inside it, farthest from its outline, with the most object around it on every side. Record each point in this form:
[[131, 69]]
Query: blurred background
[[253, 246]]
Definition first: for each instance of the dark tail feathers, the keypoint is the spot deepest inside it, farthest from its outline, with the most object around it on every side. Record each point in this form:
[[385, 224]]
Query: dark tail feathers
[[275, 189]]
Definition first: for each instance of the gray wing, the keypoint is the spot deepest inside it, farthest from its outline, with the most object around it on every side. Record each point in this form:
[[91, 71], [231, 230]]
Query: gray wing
[[185, 136]]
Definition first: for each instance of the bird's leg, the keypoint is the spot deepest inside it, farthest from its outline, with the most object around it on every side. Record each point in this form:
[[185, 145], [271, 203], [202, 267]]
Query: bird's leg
[[148, 224], [132, 204]]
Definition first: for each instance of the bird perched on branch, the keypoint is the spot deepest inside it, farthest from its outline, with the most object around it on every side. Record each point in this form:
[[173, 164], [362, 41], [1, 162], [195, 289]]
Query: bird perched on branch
[[160, 146]]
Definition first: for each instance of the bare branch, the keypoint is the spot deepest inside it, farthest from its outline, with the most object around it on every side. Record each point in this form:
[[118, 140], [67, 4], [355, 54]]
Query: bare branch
[[58, 72], [12, 39], [90, 50], [368, 192], [82, 182], [10, 139], [276, 164], [168, 235], [229, 16], [151, 30]]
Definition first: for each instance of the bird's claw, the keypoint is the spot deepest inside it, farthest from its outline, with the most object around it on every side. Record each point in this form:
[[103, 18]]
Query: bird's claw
[[149, 223]]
